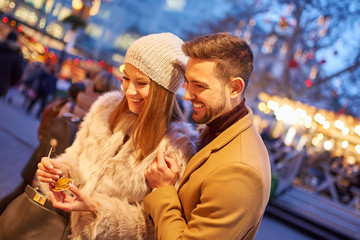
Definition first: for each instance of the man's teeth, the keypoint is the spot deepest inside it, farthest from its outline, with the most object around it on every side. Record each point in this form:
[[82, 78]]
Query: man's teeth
[[198, 105]]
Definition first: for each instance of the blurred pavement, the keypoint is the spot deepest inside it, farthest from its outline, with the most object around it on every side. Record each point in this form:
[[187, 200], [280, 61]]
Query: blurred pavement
[[18, 139]]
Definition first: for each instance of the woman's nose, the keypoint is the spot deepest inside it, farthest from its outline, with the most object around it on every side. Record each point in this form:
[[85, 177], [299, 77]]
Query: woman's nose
[[131, 90]]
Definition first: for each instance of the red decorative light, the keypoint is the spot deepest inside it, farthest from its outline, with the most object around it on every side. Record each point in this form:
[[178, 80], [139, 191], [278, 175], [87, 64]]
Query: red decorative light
[[76, 61], [283, 22], [5, 19], [19, 28], [310, 55], [102, 63], [293, 63], [308, 82], [110, 69], [89, 62], [32, 39]]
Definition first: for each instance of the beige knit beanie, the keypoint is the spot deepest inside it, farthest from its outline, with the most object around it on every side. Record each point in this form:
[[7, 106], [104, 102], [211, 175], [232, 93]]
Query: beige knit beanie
[[160, 57]]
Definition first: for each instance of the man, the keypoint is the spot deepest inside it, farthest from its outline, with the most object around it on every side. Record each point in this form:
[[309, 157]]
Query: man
[[226, 185], [45, 84], [11, 63]]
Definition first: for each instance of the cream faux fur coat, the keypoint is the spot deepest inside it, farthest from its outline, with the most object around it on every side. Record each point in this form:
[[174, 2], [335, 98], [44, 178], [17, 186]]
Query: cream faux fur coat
[[115, 180]]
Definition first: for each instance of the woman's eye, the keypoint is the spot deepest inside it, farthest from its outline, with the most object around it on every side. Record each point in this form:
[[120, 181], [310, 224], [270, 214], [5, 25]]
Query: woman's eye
[[143, 83], [126, 78]]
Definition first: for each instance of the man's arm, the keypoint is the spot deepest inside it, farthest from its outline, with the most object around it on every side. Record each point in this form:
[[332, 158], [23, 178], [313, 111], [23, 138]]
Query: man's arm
[[163, 206], [230, 206]]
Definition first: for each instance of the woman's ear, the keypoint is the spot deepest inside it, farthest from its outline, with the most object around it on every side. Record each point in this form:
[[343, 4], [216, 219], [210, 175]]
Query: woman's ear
[[236, 86]]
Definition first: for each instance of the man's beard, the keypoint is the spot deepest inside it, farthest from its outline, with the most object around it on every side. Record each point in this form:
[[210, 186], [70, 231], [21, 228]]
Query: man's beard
[[212, 112]]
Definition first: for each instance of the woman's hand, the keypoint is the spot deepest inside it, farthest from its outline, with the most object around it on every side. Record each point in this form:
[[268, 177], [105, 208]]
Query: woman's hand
[[49, 170], [81, 201]]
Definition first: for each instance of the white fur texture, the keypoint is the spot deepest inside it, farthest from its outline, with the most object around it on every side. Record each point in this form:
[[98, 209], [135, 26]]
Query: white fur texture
[[117, 182]]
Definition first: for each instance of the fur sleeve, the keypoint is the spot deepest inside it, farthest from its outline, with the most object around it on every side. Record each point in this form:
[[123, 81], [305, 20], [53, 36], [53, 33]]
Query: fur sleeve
[[116, 219], [182, 145], [96, 114], [96, 117], [119, 219]]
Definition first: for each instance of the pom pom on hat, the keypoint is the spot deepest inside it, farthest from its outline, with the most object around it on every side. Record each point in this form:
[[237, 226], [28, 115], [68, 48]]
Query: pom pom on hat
[[160, 57]]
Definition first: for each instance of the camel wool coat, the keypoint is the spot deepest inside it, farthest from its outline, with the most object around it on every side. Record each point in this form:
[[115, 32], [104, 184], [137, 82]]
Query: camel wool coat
[[114, 179], [223, 193]]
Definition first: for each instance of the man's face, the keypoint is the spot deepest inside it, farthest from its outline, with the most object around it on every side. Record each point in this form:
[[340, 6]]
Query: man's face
[[209, 95]]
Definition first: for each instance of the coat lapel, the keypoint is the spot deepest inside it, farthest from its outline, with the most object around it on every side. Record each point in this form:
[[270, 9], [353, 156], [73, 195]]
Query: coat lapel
[[195, 162], [229, 134]]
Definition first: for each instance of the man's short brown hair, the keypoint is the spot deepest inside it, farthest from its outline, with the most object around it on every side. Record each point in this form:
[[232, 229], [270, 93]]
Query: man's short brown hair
[[232, 55]]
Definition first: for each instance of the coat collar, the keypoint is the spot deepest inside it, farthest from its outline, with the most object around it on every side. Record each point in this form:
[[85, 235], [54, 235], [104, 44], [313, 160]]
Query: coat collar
[[225, 137]]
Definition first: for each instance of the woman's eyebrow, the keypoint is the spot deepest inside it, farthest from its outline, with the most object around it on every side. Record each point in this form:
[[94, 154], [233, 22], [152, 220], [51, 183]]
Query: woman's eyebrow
[[138, 78]]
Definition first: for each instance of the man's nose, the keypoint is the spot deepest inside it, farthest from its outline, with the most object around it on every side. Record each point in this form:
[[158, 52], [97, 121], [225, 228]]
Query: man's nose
[[188, 94]]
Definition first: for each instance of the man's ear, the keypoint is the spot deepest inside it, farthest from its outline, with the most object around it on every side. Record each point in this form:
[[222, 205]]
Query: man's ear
[[236, 87]]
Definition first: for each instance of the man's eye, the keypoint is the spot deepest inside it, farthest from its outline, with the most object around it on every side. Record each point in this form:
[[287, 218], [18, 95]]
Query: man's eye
[[126, 78], [199, 86]]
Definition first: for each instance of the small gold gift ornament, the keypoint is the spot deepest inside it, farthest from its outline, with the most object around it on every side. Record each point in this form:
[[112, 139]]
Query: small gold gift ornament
[[62, 184]]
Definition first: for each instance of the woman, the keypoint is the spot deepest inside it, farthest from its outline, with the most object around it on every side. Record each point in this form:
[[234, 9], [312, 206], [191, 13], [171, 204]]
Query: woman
[[118, 141]]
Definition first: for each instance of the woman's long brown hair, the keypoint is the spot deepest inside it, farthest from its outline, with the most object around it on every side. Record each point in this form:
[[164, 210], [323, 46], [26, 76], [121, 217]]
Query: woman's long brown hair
[[150, 127]]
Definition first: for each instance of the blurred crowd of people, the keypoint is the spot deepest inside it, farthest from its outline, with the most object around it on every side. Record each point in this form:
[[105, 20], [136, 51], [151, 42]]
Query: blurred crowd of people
[[37, 83], [11, 63]]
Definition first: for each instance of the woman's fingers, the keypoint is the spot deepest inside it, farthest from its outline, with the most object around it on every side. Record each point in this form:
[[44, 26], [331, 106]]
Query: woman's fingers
[[47, 165], [46, 177], [76, 191], [46, 171]]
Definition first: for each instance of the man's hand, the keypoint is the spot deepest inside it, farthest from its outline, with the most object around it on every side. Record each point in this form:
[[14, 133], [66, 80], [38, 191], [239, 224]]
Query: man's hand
[[163, 172]]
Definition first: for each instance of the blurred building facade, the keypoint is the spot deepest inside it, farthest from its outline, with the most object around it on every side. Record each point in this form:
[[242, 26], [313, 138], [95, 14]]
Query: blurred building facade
[[111, 25]]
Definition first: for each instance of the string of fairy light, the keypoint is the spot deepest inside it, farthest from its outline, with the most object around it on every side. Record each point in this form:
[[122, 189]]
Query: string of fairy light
[[43, 53], [322, 128]]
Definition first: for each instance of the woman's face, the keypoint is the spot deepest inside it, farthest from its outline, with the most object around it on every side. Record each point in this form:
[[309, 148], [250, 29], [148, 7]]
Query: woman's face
[[136, 86]]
